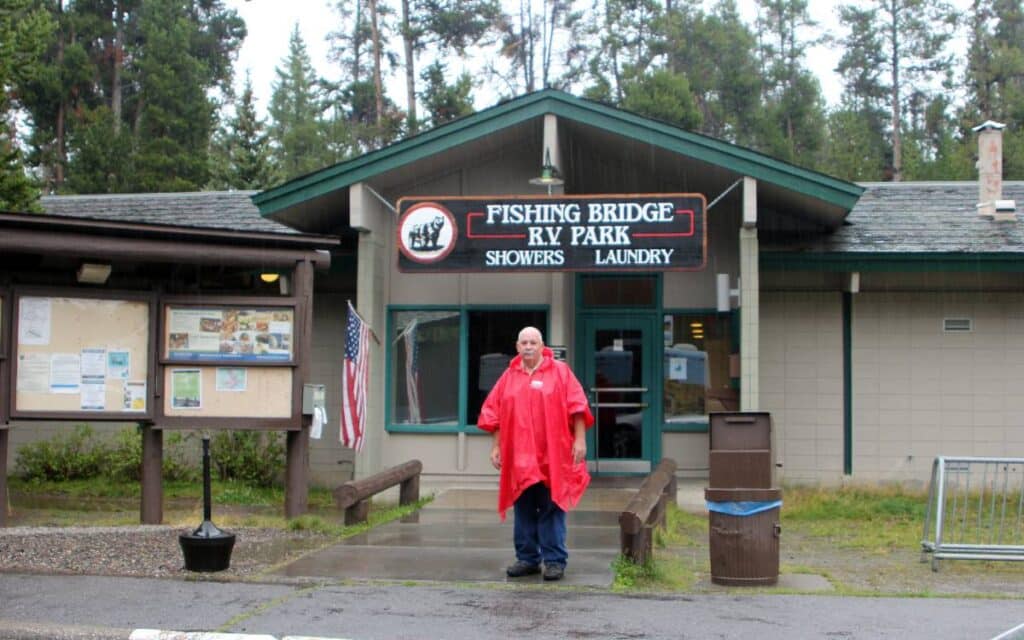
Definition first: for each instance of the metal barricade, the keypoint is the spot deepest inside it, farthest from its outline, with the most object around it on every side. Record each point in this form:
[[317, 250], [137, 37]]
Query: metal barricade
[[975, 510]]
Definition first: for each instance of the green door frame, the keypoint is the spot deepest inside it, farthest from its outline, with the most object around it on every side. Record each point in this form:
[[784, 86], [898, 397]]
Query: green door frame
[[645, 320]]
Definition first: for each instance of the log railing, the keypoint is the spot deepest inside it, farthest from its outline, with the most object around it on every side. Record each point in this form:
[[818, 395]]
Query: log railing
[[647, 510], [354, 496]]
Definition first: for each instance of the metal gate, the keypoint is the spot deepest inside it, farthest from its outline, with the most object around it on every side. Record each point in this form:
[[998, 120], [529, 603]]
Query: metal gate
[[975, 510]]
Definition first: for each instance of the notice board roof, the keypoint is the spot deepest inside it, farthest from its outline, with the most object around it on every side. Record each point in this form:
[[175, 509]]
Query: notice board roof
[[228, 210]]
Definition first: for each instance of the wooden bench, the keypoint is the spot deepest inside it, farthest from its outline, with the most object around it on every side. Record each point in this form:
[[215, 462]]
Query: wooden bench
[[647, 510], [354, 496]]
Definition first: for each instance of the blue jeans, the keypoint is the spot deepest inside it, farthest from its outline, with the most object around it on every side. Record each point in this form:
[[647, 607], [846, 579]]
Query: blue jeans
[[539, 531]]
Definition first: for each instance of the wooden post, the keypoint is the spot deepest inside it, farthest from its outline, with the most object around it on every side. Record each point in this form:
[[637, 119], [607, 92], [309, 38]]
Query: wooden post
[[409, 490], [4, 498], [152, 506], [357, 513], [296, 495]]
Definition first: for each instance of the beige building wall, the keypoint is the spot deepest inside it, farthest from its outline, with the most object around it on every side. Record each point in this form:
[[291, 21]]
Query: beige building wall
[[801, 383], [919, 391], [330, 464]]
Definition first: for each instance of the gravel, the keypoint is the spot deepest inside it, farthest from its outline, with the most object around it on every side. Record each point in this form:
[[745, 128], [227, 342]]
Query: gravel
[[141, 551]]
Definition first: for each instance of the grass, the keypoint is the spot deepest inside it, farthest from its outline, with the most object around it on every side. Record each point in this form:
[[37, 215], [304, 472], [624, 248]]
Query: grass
[[863, 541], [100, 502]]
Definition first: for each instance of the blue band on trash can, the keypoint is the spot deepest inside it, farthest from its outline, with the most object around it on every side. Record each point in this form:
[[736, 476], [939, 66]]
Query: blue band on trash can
[[742, 508]]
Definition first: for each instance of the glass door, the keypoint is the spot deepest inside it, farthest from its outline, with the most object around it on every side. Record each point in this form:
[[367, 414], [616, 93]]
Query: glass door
[[617, 374]]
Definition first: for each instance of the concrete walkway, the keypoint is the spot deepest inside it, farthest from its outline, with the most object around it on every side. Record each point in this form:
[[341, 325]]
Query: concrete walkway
[[458, 538]]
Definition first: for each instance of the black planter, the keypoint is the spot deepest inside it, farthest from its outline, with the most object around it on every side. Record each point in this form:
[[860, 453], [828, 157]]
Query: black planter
[[207, 548]]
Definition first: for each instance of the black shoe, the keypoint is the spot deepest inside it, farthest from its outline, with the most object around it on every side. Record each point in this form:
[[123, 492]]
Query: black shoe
[[520, 569], [554, 571]]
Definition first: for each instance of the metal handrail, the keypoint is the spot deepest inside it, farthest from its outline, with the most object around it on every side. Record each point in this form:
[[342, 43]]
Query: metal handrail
[[618, 389]]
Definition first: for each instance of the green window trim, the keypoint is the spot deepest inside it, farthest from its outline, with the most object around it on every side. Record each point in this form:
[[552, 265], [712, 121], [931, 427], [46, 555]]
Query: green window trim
[[463, 311]]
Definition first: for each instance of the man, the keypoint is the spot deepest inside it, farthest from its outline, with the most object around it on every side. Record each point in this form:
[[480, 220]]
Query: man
[[538, 414]]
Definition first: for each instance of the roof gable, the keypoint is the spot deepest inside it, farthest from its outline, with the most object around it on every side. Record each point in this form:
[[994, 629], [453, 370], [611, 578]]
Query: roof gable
[[808, 183]]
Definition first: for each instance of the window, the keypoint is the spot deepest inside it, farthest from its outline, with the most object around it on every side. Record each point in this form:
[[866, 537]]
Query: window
[[425, 387], [696, 367], [492, 344], [619, 291], [427, 361]]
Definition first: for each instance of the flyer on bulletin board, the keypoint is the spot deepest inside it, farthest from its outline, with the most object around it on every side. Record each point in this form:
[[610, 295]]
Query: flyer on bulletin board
[[186, 389]]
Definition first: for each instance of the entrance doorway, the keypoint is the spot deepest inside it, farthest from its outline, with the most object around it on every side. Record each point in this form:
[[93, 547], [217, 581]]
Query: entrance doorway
[[618, 367]]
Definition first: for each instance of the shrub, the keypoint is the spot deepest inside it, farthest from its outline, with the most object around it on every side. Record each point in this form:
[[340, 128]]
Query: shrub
[[81, 455], [253, 457], [66, 456]]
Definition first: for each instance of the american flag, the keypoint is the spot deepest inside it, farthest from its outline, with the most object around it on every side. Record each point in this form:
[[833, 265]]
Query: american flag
[[412, 372], [354, 379]]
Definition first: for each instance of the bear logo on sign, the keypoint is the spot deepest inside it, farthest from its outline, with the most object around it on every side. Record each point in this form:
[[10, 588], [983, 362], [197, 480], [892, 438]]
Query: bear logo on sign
[[427, 233]]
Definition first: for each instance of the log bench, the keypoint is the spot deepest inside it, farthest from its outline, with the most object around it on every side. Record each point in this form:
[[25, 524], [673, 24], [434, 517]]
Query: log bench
[[354, 496], [647, 510]]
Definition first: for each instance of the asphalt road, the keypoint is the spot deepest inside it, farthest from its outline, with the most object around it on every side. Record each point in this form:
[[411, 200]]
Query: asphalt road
[[101, 607]]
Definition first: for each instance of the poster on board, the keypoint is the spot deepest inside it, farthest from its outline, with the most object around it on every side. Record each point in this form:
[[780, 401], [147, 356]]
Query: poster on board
[[229, 335]]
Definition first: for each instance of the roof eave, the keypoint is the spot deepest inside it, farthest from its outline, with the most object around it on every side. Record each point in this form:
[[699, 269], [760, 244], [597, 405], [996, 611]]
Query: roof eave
[[745, 162]]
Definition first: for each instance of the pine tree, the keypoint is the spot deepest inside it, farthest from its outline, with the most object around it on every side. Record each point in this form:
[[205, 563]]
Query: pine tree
[[24, 33], [297, 127], [716, 53], [445, 102], [793, 107], [995, 76], [241, 153], [444, 27], [898, 45], [175, 122]]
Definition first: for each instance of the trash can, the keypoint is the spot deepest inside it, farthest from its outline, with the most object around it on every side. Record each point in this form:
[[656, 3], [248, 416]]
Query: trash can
[[744, 535], [740, 450]]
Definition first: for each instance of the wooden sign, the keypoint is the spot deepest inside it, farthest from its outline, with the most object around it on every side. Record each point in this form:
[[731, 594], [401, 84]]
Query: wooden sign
[[659, 232]]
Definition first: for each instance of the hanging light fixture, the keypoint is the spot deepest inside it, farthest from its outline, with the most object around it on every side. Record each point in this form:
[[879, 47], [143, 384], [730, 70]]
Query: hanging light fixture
[[549, 175]]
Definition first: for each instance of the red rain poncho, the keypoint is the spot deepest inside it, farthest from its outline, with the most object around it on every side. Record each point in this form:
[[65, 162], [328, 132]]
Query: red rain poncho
[[534, 415]]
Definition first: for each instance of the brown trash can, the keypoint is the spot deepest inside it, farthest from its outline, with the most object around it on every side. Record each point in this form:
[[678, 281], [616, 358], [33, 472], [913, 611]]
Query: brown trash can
[[740, 450], [744, 549]]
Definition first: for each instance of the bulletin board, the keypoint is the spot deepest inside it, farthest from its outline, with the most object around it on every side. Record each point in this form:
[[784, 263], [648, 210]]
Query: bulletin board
[[227, 392], [78, 357], [228, 359]]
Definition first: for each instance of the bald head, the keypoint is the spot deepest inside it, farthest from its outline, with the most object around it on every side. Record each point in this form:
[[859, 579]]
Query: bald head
[[533, 332], [530, 346]]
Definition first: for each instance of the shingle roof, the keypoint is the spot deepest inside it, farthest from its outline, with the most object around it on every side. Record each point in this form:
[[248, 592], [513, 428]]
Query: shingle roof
[[227, 210], [918, 217]]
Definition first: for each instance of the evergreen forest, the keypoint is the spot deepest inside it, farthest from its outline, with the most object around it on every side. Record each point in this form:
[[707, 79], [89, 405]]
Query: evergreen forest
[[128, 96]]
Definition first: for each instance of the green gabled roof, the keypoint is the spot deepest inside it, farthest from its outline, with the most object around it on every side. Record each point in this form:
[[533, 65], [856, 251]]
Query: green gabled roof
[[743, 161]]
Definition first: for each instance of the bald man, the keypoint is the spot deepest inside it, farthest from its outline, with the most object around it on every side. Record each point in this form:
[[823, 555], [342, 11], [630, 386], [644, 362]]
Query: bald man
[[538, 415]]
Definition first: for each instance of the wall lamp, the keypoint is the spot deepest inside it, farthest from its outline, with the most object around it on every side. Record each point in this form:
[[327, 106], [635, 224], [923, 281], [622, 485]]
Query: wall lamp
[[93, 273], [269, 277]]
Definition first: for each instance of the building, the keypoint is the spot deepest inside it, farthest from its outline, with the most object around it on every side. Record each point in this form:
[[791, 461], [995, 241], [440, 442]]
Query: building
[[880, 324]]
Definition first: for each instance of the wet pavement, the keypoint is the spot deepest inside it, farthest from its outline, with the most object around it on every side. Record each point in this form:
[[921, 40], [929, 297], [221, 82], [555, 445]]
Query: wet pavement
[[458, 537]]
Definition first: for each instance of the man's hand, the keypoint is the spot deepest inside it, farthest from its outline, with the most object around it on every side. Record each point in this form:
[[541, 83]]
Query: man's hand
[[579, 441], [496, 456], [579, 450]]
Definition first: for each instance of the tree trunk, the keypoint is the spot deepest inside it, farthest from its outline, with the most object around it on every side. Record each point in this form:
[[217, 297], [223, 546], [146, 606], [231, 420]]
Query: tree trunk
[[897, 150], [58, 164], [357, 43], [378, 85], [410, 67], [115, 76]]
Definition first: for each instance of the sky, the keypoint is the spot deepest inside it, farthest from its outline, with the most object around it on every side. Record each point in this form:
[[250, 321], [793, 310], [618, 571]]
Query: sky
[[270, 24]]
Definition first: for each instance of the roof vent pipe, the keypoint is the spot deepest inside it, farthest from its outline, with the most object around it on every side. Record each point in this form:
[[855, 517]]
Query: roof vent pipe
[[990, 168]]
